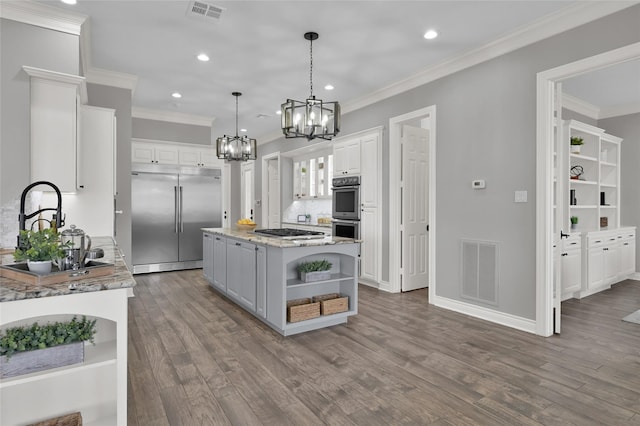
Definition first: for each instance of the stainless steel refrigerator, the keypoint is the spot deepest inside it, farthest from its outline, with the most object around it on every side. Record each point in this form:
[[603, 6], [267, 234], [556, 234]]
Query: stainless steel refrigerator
[[169, 206]]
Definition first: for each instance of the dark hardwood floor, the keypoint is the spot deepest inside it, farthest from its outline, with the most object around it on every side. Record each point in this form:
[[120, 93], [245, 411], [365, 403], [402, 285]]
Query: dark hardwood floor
[[197, 359]]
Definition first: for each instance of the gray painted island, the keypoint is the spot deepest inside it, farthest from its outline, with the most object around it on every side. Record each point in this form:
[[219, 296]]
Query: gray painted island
[[260, 274]]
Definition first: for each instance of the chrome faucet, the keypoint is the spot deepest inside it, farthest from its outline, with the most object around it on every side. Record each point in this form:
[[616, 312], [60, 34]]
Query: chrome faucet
[[22, 217]]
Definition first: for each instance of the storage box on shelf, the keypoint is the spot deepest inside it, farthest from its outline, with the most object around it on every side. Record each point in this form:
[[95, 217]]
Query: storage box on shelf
[[302, 309]]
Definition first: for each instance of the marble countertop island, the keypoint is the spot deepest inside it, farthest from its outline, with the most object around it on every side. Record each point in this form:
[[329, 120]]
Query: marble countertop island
[[11, 289]]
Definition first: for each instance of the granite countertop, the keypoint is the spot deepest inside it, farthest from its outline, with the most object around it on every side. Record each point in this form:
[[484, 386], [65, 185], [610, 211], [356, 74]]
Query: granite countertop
[[278, 242], [11, 290]]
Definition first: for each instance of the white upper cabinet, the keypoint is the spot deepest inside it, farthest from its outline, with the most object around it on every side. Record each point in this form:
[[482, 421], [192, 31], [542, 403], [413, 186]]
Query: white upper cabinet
[[346, 158], [369, 169], [54, 127], [312, 175], [153, 152]]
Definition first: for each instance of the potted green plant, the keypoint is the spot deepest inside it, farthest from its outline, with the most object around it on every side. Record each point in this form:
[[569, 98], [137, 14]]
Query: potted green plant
[[575, 144], [574, 222], [30, 348], [315, 270], [40, 248]]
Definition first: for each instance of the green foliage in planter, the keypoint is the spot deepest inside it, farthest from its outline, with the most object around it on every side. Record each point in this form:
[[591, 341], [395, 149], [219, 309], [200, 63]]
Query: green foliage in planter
[[36, 336], [314, 265], [42, 245], [576, 140], [574, 219]]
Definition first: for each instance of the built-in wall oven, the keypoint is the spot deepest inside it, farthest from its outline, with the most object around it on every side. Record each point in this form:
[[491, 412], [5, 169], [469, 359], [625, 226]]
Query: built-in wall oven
[[346, 207], [346, 198]]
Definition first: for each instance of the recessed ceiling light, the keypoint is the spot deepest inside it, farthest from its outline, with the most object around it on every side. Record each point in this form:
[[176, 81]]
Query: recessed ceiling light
[[69, 1], [328, 87], [176, 95], [243, 130], [430, 35], [203, 57]]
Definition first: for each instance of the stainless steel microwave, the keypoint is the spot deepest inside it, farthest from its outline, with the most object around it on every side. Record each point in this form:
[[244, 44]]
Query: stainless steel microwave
[[346, 198]]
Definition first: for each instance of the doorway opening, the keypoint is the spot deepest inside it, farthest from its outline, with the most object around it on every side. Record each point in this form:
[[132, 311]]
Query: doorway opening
[[247, 190], [548, 307], [412, 190]]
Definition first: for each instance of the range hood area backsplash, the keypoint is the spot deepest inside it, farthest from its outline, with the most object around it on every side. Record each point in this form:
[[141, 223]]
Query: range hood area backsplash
[[315, 208]]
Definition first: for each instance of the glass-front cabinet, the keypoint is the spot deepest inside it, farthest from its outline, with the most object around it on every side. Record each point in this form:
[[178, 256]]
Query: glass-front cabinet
[[312, 175]]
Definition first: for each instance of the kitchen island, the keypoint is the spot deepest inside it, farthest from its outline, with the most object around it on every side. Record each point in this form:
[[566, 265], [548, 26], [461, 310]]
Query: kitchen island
[[98, 386], [260, 274]]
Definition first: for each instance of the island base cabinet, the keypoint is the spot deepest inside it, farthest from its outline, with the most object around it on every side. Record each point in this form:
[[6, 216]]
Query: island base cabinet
[[219, 261], [241, 273]]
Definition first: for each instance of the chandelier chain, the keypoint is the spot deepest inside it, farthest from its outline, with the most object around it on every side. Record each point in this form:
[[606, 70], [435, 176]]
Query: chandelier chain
[[236, 115], [311, 66]]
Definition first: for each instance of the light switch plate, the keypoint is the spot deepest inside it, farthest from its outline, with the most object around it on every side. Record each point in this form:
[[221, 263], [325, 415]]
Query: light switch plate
[[521, 197]]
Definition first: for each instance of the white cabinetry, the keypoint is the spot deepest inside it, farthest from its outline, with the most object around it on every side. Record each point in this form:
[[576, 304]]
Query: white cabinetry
[[594, 195], [261, 281], [571, 259], [144, 152], [160, 152], [207, 253], [627, 253], [609, 258], [241, 273], [312, 175], [54, 127], [346, 157], [199, 157], [360, 154], [219, 263]]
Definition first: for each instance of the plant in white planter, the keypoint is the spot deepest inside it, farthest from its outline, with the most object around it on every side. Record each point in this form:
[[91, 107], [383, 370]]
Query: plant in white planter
[[315, 270], [575, 144], [574, 222], [36, 347], [41, 247]]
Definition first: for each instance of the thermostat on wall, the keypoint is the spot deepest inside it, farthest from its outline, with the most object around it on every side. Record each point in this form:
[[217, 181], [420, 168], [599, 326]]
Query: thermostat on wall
[[478, 184]]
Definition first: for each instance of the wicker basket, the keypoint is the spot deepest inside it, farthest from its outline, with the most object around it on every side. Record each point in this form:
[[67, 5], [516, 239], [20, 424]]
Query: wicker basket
[[302, 309], [332, 303], [74, 419]]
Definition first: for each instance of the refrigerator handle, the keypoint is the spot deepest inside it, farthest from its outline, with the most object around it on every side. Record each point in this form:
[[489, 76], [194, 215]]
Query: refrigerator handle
[[181, 223], [175, 209]]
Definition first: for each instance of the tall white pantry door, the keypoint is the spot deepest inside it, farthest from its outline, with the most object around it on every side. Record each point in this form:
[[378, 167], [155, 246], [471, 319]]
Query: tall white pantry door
[[415, 207]]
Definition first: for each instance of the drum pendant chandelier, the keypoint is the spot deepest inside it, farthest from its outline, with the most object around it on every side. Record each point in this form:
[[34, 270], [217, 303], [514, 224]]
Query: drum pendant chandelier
[[236, 148], [312, 118]]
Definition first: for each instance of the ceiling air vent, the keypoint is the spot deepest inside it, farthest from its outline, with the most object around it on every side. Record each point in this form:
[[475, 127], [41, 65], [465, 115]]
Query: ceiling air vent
[[204, 10]]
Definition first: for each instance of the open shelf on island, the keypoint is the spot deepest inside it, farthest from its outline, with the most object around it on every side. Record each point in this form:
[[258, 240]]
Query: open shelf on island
[[296, 282]]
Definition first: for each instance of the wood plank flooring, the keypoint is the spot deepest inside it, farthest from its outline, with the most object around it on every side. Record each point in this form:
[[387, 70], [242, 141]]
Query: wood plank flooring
[[197, 359]]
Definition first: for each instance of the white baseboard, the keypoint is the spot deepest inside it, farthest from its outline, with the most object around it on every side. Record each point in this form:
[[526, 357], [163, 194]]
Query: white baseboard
[[635, 276], [487, 314], [382, 285]]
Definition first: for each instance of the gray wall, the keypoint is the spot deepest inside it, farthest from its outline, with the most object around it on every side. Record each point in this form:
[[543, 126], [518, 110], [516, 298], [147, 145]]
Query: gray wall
[[173, 132], [486, 129], [23, 44], [120, 100], [628, 128]]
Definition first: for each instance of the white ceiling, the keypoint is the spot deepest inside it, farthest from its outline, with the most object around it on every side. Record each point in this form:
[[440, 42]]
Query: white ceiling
[[257, 48]]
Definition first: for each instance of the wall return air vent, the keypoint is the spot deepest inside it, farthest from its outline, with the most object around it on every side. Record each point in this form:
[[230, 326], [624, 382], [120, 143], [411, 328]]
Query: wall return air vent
[[204, 10]]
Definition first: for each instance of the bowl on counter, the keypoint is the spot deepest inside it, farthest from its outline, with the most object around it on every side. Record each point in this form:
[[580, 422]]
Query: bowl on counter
[[245, 227]]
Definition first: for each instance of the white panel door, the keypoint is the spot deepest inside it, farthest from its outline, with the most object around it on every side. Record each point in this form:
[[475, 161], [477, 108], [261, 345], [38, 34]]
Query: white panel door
[[369, 171], [247, 191], [369, 246], [415, 208], [273, 201]]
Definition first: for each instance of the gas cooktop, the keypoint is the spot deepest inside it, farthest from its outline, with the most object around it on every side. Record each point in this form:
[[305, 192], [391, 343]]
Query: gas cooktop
[[289, 233]]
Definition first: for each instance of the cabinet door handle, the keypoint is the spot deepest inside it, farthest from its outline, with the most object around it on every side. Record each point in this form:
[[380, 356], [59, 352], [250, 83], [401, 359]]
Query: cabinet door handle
[[218, 238], [564, 254], [574, 243], [625, 244], [238, 244]]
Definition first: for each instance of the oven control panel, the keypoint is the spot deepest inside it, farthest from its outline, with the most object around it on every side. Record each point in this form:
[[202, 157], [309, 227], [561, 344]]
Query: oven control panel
[[346, 181]]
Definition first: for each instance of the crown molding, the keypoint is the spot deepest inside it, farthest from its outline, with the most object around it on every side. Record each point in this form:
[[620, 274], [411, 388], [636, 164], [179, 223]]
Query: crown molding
[[41, 15], [111, 78], [558, 22], [619, 110], [580, 106], [171, 116]]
